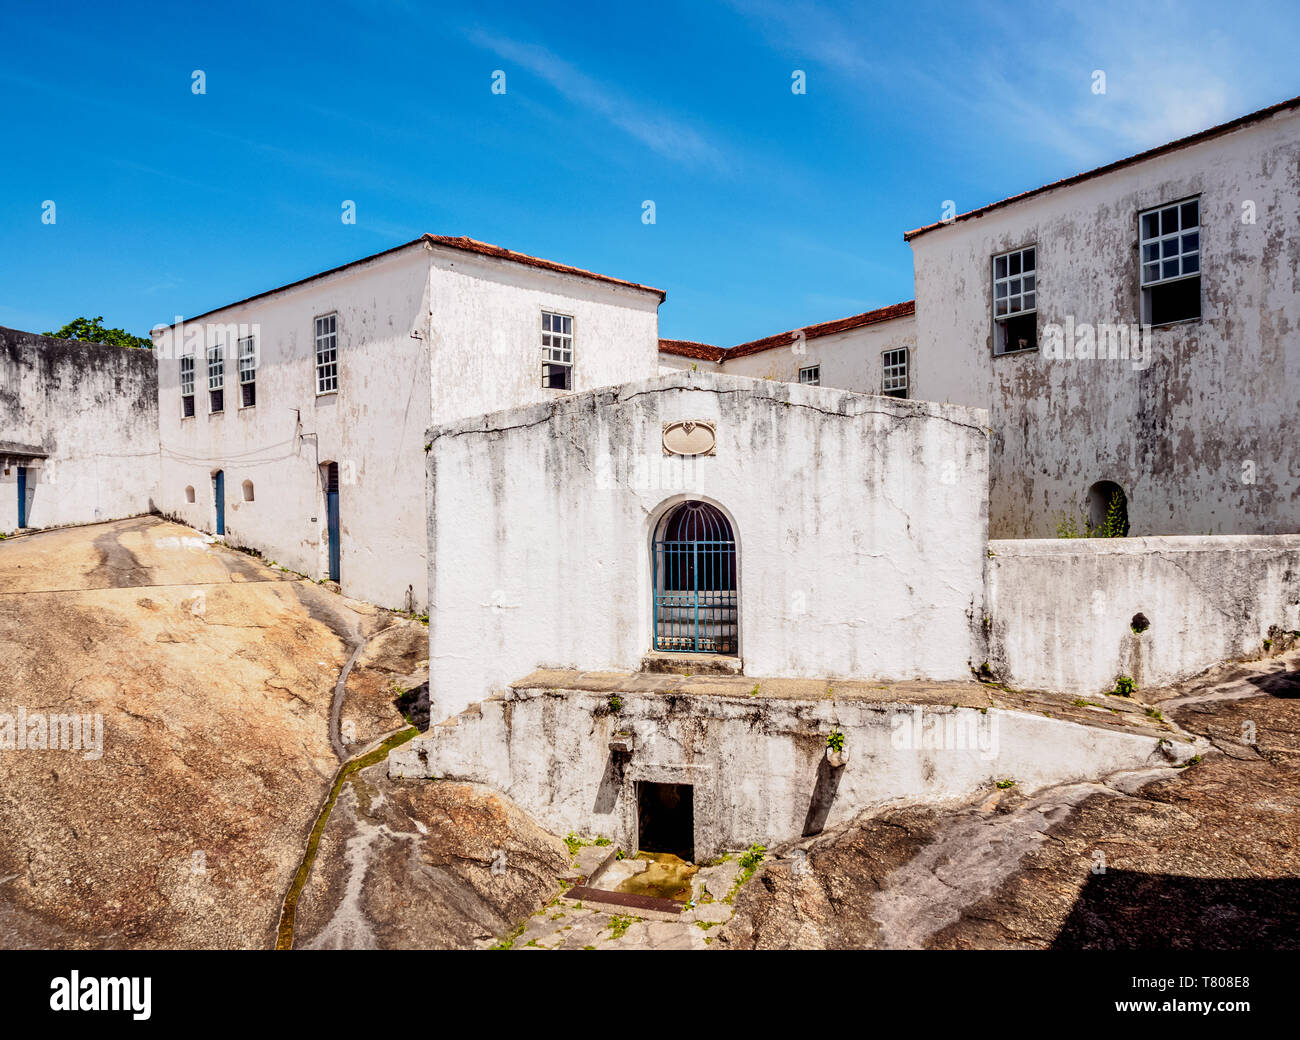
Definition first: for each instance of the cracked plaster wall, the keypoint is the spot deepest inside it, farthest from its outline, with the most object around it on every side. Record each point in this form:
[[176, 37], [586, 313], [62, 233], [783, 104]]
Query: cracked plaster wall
[[860, 524], [1061, 610], [93, 409], [1217, 405]]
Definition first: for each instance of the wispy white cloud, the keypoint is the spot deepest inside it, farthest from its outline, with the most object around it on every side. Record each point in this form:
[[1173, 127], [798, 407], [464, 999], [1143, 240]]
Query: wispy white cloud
[[662, 133], [1025, 73]]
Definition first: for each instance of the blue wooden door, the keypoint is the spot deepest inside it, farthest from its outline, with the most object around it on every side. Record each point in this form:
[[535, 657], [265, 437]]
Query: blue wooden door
[[332, 517], [219, 493], [22, 496]]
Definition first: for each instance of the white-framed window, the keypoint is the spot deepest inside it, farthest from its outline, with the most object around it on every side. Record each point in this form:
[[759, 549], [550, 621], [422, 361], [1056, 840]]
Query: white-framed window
[[187, 386], [327, 354], [811, 375], [217, 377], [1015, 300], [893, 372], [1170, 262], [247, 372], [557, 351]]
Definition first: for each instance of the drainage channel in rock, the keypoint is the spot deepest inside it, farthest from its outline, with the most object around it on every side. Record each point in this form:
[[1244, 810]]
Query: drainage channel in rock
[[284, 933]]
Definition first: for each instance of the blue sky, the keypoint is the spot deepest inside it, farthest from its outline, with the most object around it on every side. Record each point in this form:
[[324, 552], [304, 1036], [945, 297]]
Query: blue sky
[[773, 210]]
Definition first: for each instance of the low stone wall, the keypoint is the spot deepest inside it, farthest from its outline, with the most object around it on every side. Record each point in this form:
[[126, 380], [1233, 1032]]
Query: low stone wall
[[1060, 613], [757, 766]]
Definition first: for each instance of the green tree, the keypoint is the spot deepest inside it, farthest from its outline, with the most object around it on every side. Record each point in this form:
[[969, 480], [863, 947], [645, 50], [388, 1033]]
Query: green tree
[[92, 331]]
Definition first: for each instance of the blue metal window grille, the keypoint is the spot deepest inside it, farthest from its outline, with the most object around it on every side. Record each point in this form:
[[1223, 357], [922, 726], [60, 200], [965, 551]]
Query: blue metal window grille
[[695, 601]]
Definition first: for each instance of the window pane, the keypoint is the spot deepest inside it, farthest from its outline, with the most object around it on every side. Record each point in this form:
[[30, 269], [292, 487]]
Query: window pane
[[1169, 220], [1029, 282], [1191, 264], [1191, 242], [1169, 247], [1151, 272], [1191, 214], [1000, 307], [1014, 261], [1029, 301], [1150, 225], [1029, 260], [1170, 269], [1151, 251], [1000, 267]]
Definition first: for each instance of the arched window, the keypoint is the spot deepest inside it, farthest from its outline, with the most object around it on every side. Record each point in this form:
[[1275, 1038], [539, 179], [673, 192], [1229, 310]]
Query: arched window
[[189, 494], [1107, 510], [695, 601], [248, 491]]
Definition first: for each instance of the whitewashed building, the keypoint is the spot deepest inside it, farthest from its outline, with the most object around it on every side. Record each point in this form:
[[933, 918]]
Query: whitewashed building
[[293, 422], [1030, 308], [1131, 329]]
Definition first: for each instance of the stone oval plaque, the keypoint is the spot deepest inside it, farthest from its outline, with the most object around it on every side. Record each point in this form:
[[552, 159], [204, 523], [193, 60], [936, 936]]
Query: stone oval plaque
[[690, 437]]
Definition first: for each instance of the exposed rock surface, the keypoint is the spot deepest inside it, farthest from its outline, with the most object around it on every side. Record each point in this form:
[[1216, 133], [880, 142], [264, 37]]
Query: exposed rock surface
[[214, 676], [1202, 858], [418, 864]]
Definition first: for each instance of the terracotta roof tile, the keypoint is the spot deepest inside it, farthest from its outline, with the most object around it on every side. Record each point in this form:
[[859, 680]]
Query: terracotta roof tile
[[471, 245], [825, 328], [704, 351], [691, 349]]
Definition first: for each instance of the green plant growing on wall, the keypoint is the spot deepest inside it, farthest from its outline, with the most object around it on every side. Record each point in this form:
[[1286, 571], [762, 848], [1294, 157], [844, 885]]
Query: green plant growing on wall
[[1124, 687], [835, 741], [616, 704], [1113, 525]]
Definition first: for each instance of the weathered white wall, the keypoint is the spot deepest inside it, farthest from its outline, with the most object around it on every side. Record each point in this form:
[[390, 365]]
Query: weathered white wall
[[859, 520], [669, 363], [487, 335], [1220, 396], [373, 427], [1060, 610], [756, 766], [94, 410], [476, 348]]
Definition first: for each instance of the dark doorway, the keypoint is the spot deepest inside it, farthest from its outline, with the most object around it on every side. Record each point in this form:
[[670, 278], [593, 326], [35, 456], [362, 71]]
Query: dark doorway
[[666, 819], [219, 496], [332, 518], [22, 496]]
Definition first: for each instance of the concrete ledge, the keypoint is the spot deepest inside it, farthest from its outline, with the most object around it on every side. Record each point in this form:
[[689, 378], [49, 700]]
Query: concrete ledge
[[666, 662], [756, 761]]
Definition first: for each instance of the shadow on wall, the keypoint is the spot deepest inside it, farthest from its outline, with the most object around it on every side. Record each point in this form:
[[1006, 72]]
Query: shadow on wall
[[823, 797], [1125, 910]]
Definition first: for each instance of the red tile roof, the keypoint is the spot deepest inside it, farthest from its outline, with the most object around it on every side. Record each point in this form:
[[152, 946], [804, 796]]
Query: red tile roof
[[471, 245], [1182, 142], [468, 245], [825, 328], [706, 352], [691, 349]]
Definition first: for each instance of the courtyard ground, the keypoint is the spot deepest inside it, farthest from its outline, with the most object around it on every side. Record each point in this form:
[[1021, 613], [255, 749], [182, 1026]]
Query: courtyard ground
[[239, 701]]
